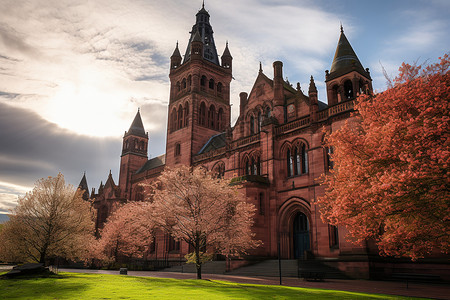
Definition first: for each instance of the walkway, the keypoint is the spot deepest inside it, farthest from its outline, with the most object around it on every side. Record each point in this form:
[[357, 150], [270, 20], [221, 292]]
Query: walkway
[[435, 291]]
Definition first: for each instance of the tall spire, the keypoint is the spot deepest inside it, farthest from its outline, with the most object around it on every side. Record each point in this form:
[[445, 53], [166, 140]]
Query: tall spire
[[345, 59], [205, 33], [83, 186], [137, 128]]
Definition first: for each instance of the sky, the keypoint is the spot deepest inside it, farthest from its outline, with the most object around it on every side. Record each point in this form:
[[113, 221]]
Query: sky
[[74, 73]]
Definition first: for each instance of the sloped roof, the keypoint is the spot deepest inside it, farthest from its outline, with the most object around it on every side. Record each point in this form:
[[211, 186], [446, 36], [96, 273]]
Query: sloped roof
[[215, 142], [137, 127], [153, 163]]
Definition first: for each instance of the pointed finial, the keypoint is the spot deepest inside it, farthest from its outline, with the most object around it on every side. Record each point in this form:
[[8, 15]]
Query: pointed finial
[[260, 67], [110, 172], [342, 28], [177, 44], [203, 4], [139, 109], [227, 44]]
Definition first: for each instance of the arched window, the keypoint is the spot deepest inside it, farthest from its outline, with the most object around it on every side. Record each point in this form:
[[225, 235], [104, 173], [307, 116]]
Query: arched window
[[177, 149], [219, 87], [212, 117], [333, 236], [267, 112], [252, 125], [186, 114], [289, 163], [189, 82], [183, 83], [126, 144], [220, 119], [180, 117], [173, 120], [211, 84], [259, 121], [348, 89], [202, 114], [261, 204], [219, 170], [247, 167], [174, 245], [304, 159], [297, 162], [329, 152], [178, 86], [203, 81]]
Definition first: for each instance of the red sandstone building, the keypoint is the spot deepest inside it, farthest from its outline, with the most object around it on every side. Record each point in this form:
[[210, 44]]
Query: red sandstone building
[[275, 149]]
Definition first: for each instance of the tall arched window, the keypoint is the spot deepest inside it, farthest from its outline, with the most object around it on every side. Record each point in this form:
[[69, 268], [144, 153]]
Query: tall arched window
[[177, 149], [212, 117], [220, 119], [297, 162], [202, 114], [203, 82], [252, 125], [189, 82], [186, 114], [329, 153], [289, 163], [211, 84], [259, 121], [183, 83], [304, 159], [247, 167], [348, 89], [180, 117], [219, 87], [261, 204]]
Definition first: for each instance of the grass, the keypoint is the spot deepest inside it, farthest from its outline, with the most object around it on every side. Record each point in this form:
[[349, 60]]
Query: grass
[[99, 286]]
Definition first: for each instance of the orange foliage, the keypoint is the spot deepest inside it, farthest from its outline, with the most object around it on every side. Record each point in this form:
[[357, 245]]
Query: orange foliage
[[390, 180]]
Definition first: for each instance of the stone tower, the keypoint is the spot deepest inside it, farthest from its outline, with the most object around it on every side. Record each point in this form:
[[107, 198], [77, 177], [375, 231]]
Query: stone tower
[[199, 104], [134, 154], [347, 78]]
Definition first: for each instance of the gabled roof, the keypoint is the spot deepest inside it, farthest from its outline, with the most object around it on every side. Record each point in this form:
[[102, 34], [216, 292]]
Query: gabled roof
[[137, 128], [215, 142], [153, 163]]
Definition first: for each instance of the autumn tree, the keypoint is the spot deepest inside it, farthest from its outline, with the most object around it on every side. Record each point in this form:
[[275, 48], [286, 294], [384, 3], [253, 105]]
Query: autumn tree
[[390, 182], [50, 220], [128, 232], [204, 211]]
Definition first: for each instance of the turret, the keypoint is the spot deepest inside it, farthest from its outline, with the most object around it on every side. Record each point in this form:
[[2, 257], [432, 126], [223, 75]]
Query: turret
[[196, 46], [227, 59], [175, 59], [314, 101], [83, 186]]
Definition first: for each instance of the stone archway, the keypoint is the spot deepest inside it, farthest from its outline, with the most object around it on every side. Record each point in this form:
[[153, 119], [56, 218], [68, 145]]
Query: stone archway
[[294, 228]]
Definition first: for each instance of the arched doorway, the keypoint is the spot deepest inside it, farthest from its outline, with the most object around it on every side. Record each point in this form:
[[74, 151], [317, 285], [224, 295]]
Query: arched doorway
[[300, 235]]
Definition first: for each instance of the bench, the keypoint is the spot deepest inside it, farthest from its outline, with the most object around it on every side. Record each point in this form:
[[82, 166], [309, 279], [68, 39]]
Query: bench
[[408, 277], [313, 276]]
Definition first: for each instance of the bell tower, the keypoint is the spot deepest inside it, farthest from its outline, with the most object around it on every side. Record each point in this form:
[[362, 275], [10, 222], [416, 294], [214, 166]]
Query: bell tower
[[199, 102], [347, 78], [134, 154]]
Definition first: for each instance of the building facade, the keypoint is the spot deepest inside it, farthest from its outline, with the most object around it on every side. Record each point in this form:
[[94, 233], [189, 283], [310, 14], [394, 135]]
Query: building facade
[[275, 149]]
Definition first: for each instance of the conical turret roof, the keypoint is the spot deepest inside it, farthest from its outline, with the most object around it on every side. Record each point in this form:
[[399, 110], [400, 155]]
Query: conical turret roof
[[345, 59], [226, 52], [137, 128], [176, 52]]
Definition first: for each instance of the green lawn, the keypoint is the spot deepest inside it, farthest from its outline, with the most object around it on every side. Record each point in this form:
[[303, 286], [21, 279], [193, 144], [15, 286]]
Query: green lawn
[[98, 286]]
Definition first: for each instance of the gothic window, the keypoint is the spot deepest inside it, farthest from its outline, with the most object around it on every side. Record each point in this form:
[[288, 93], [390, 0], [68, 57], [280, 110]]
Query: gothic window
[[186, 114], [297, 162], [180, 117], [126, 144], [252, 125], [259, 121], [219, 170], [261, 204], [203, 81], [183, 84], [219, 87], [247, 170], [177, 149], [333, 236], [220, 119], [304, 159], [189, 82], [267, 112], [290, 167], [202, 114], [178, 86], [212, 117], [174, 245], [329, 152], [348, 89], [211, 84], [152, 247]]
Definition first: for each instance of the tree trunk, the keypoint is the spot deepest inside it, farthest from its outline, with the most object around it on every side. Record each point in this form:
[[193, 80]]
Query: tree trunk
[[198, 263]]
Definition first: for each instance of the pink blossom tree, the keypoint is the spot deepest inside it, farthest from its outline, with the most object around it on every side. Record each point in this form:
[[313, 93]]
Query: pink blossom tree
[[391, 181], [204, 211]]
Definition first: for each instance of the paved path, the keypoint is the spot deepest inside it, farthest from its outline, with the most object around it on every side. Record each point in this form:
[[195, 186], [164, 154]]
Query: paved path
[[435, 291]]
